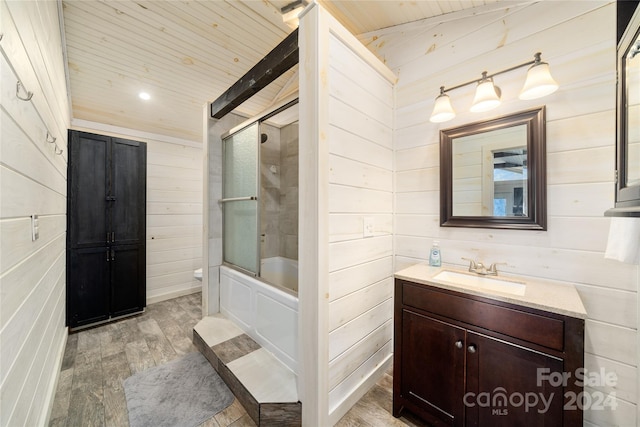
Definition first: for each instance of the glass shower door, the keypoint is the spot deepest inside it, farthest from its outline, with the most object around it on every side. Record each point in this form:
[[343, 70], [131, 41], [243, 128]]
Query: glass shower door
[[240, 188]]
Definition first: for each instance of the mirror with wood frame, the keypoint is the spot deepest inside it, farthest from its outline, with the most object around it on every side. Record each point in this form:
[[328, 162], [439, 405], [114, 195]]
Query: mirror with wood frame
[[493, 173], [628, 111]]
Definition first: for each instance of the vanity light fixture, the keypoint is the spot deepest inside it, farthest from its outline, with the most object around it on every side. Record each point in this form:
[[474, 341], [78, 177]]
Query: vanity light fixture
[[538, 83], [442, 110], [144, 95], [487, 95]]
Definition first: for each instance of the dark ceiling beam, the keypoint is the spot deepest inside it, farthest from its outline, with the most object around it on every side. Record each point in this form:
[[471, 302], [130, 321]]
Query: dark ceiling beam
[[282, 58], [506, 165]]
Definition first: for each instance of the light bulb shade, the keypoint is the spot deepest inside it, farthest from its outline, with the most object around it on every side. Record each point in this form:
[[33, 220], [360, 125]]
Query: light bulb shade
[[442, 110], [487, 96], [539, 82]]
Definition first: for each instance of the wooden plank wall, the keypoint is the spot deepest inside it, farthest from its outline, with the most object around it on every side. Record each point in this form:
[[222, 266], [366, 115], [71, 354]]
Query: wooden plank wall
[[360, 185], [346, 174], [578, 41], [174, 209], [33, 180], [313, 230]]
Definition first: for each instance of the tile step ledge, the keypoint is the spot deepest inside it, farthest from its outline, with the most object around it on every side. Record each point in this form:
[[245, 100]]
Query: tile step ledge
[[264, 386]]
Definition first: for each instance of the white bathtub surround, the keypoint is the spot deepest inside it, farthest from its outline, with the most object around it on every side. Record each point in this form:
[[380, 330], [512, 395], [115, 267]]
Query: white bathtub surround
[[267, 314], [280, 271], [624, 240]]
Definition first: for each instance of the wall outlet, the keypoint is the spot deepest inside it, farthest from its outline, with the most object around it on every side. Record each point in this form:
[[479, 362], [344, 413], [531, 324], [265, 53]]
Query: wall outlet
[[35, 228], [367, 226]]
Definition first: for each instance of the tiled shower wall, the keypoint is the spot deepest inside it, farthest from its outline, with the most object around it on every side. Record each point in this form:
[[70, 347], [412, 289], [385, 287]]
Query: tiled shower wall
[[289, 191], [279, 201], [270, 192]]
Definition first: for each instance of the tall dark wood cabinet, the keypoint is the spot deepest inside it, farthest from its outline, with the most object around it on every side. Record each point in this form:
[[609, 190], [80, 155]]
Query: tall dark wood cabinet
[[106, 228]]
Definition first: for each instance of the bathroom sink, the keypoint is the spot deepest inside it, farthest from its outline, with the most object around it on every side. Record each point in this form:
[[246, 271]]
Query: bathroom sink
[[481, 282]]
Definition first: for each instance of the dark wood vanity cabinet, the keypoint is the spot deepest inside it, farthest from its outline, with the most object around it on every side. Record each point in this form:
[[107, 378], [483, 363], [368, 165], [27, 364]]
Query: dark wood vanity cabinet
[[431, 368], [462, 360]]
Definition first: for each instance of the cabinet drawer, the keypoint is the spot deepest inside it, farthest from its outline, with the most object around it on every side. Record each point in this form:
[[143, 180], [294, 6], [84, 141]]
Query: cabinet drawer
[[545, 331]]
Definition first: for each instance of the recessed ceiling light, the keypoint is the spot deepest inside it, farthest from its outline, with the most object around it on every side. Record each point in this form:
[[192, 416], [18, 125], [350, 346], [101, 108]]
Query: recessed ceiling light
[[144, 95]]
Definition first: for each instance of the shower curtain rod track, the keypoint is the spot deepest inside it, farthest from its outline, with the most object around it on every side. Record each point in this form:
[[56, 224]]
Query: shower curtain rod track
[[287, 102]]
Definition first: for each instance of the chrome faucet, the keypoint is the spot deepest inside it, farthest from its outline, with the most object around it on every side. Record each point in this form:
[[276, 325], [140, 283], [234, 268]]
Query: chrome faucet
[[478, 267]]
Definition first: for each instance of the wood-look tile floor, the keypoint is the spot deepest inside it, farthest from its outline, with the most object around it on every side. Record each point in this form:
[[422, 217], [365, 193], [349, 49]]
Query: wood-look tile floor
[[96, 362]]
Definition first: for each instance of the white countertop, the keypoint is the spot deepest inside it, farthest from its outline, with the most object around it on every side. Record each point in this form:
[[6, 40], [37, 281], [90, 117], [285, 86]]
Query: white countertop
[[542, 294]]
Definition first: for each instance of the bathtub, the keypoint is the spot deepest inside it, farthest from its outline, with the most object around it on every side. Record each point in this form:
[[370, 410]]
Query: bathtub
[[266, 313], [280, 271]]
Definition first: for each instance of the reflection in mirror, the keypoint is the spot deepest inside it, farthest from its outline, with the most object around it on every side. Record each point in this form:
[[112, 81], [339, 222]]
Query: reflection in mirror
[[510, 182], [492, 173]]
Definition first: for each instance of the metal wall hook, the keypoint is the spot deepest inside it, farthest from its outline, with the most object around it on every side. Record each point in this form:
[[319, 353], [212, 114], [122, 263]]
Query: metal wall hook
[[20, 86], [58, 150], [50, 138]]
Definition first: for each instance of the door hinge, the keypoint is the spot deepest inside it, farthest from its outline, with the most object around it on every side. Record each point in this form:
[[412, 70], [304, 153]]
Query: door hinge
[[615, 177]]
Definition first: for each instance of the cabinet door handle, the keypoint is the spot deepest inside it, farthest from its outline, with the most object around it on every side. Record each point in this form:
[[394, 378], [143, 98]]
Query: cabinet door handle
[[107, 237], [108, 255], [113, 236], [113, 255], [471, 348], [459, 344]]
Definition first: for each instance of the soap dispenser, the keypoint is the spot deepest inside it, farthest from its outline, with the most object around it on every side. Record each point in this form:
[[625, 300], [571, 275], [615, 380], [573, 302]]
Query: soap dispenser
[[435, 260]]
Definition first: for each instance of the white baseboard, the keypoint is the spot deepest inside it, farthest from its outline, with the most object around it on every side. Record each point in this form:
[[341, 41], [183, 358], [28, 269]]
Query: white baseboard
[[360, 391], [53, 385], [174, 294]]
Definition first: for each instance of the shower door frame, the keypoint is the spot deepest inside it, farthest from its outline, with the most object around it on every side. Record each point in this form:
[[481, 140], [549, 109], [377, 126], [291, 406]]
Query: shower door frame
[[260, 118], [223, 201]]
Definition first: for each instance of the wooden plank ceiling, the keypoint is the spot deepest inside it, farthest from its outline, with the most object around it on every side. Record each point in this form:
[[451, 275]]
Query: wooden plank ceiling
[[187, 53]]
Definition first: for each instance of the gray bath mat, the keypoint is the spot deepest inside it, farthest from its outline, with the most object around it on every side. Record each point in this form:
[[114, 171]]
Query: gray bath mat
[[184, 392]]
